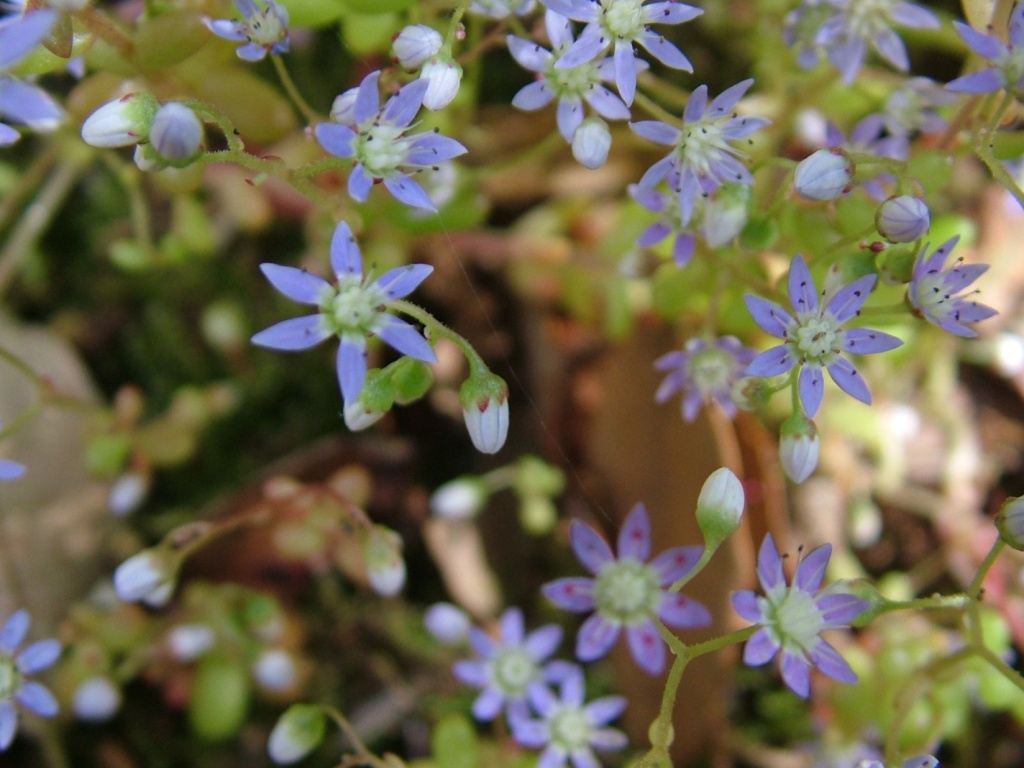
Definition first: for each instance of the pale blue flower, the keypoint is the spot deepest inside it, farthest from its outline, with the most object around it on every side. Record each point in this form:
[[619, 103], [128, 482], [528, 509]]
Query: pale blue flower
[[703, 157], [353, 309], [21, 102], [263, 30], [1007, 70], [16, 670], [791, 618], [620, 25], [815, 339], [627, 591], [507, 668], [570, 86], [704, 371], [569, 729], [377, 143], [933, 291]]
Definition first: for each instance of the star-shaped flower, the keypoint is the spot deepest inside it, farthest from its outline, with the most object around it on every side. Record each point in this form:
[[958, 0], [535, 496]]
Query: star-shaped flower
[[570, 86], [353, 309], [627, 591], [264, 30], [508, 667], [621, 24], [814, 338], [22, 102], [15, 672], [569, 729], [705, 372], [791, 618], [1007, 70], [932, 291], [703, 157], [376, 141]]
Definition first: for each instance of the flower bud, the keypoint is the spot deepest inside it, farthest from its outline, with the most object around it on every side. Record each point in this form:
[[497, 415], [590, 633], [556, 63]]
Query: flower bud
[[447, 622], [176, 134], [538, 514], [460, 498], [1010, 522], [725, 215], [485, 408], [359, 416], [591, 142], [297, 733], [385, 568], [121, 123], [720, 507], [187, 642], [127, 493], [824, 175], [96, 700], [343, 110], [444, 77], [798, 447], [902, 219], [414, 44], [148, 574], [275, 670], [751, 393]]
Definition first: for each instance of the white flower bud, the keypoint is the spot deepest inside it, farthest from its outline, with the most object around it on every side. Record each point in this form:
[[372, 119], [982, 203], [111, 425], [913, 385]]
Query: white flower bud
[[96, 700], [825, 175], [902, 219], [385, 567], [414, 44], [297, 733], [460, 498], [725, 215], [448, 623], [275, 670], [176, 134], [485, 409], [127, 493], [187, 642], [121, 123], [145, 575], [720, 506], [590, 142], [343, 110], [359, 417], [444, 77], [798, 447]]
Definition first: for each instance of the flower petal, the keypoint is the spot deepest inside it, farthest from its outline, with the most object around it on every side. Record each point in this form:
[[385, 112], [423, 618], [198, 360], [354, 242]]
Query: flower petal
[[13, 631], [403, 106], [18, 38], [409, 192], [294, 334], [760, 649], [744, 602], [591, 549], [297, 284], [827, 659], [811, 571], [38, 656], [533, 96], [595, 638], [604, 710], [647, 647], [571, 594], [772, 318], [8, 724], [772, 362], [849, 380], [472, 672], [850, 298], [635, 535], [656, 131], [544, 641], [351, 368], [769, 564], [811, 386], [337, 139], [488, 705], [37, 698], [346, 260], [864, 341], [796, 674], [802, 293], [665, 52], [401, 281], [681, 612], [838, 610], [672, 564]]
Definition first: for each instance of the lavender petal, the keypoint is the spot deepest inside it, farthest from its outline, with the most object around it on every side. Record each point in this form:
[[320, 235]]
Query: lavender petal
[[849, 380], [595, 638], [760, 649], [294, 334], [575, 594], [635, 536], [351, 368], [401, 336], [297, 284], [646, 647], [592, 550], [811, 386]]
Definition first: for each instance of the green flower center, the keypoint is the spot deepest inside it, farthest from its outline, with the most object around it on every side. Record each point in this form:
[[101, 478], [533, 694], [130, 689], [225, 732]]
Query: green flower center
[[623, 18], [351, 307], [10, 678], [816, 340], [701, 144], [793, 618], [711, 370], [380, 149], [265, 28], [574, 81], [627, 592], [512, 670], [570, 729], [868, 17]]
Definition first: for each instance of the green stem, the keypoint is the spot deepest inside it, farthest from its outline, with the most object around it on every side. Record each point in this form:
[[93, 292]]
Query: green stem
[[974, 590], [851, 239], [363, 755], [477, 366], [293, 92]]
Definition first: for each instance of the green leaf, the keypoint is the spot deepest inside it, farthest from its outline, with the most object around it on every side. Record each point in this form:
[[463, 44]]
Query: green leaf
[[454, 743], [257, 108], [219, 698], [168, 39]]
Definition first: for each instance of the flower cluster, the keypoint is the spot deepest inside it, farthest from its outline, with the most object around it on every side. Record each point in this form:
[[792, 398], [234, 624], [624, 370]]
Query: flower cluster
[[262, 30], [933, 291], [1007, 70], [353, 309], [705, 371], [627, 591]]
